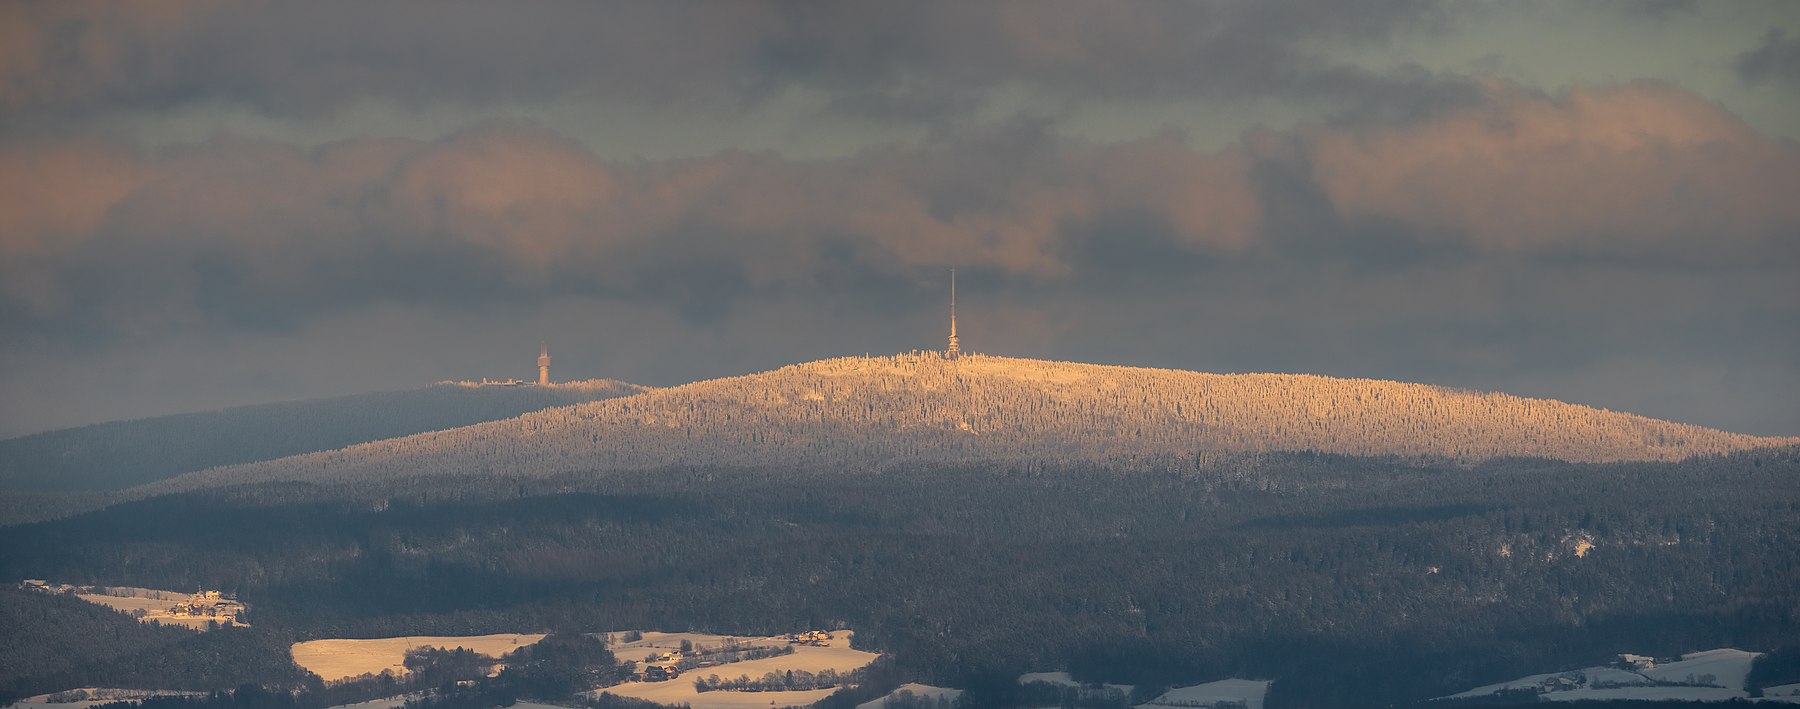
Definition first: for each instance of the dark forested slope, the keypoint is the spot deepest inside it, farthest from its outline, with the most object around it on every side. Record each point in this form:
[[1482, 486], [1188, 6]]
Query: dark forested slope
[[869, 413], [1351, 582], [125, 453]]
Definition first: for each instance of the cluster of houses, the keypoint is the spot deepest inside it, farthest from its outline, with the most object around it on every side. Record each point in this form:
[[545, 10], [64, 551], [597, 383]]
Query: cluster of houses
[[662, 667], [43, 586], [1579, 679], [209, 604], [817, 638]]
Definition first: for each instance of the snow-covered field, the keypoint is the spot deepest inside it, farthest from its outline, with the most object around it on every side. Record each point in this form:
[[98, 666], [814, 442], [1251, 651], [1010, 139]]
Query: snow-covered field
[[127, 605], [835, 655], [1063, 679], [1783, 690], [922, 691], [388, 703], [1060, 679], [1712, 675], [681, 691], [1249, 692], [340, 659]]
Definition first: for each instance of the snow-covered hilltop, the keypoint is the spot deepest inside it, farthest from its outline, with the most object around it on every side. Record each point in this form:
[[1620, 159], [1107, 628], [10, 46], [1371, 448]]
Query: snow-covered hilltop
[[870, 412]]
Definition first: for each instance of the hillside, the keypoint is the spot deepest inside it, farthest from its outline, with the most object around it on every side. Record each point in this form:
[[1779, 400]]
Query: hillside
[[125, 453], [870, 412]]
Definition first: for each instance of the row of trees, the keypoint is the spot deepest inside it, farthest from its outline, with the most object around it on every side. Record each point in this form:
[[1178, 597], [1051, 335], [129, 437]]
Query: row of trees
[[790, 680], [732, 650]]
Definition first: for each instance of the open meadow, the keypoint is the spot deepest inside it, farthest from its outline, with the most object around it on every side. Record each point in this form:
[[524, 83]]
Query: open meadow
[[339, 659]]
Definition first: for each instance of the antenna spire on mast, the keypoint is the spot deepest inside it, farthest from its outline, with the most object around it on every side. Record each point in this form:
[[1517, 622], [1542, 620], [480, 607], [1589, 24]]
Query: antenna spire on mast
[[955, 348]]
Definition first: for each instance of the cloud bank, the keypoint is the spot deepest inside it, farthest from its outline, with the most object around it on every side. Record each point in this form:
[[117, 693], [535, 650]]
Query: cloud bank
[[255, 232], [1393, 204]]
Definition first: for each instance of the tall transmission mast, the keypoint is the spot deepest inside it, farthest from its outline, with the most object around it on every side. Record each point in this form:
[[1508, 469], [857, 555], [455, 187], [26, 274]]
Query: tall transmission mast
[[544, 366], [955, 348]]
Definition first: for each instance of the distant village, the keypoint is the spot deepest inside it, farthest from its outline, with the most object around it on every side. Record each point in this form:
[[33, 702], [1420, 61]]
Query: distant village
[[199, 610], [664, 666]]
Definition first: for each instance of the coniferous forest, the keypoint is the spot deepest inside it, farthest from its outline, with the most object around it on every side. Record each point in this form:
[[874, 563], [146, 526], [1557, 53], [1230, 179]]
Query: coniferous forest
[[1348, 581], [124, 453]]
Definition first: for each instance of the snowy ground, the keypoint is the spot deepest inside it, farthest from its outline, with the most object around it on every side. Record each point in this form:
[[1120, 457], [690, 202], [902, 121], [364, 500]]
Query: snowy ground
[[388, 703], [923, 691], [154, 610], [1721, 672], [835, 655], [1248, 691], [1784, 690], [106, 696], [1063, 679], [681, 691], [340, 659]]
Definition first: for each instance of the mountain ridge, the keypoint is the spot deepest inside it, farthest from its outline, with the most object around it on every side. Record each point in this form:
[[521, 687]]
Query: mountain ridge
[[873, 412], [117, 454]]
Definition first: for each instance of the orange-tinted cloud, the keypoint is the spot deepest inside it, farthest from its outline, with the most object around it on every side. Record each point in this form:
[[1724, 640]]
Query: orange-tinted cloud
[[524, 212], [253, 230], [1640, 169], [53, 198]]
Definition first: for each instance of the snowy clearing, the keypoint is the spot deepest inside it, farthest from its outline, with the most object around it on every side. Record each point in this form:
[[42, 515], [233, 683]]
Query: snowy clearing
[[339, 659], [1709, 676], [1060, 679], [1249, 692], [1782, 690], [681, 691], [922, 691], [1064, 679], [1686, 694], [387, 703], [1727, 666]]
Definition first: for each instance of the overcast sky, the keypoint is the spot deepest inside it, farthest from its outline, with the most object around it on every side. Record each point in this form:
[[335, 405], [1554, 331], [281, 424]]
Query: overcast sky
[[205, 204]]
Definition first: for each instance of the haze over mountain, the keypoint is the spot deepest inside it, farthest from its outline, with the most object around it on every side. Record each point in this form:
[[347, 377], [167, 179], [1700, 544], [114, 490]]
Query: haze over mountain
[[125, 453], [874, 412]]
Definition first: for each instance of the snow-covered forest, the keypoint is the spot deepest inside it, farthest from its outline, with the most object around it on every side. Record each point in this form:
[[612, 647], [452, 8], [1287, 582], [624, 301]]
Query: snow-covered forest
[[866, 413], [125, 453]]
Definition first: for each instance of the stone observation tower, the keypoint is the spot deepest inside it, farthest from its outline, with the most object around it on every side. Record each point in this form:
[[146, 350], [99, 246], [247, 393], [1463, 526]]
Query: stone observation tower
[[544, 366], [955, 348]]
